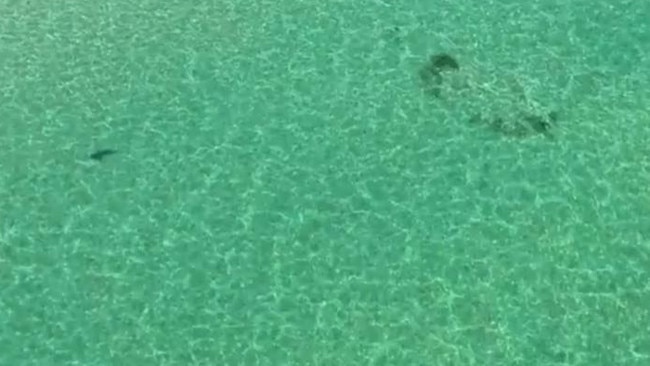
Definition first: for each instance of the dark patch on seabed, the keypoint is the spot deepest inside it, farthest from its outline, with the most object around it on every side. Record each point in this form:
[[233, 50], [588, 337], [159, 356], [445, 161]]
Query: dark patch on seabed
[[522, 122]]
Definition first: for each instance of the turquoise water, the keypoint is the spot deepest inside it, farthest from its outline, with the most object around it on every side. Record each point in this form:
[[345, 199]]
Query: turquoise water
[[285, 192]]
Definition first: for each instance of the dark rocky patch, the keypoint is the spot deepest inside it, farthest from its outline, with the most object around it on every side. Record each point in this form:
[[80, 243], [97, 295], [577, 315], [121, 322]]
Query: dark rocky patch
[[431, 74]]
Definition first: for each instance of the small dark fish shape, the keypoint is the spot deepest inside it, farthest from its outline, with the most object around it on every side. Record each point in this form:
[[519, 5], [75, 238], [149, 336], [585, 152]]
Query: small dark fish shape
[[100, 154]]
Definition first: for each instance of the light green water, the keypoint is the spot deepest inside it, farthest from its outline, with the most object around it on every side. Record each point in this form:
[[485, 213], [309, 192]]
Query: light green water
[[285, 193]]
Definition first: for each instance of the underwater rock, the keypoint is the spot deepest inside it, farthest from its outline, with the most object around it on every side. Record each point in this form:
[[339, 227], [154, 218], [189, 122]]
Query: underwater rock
[[431, 73], [500, 103], [520, 125]]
